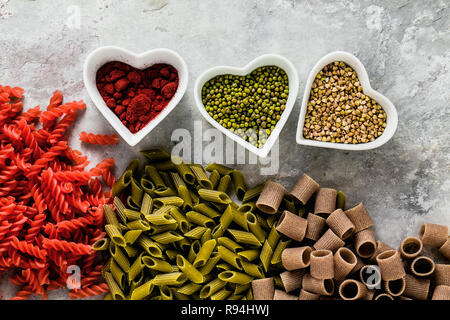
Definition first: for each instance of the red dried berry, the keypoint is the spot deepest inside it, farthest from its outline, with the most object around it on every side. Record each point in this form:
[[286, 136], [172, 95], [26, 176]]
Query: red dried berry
[[169, 90], [116, 74], [134, 77], [121, 84]]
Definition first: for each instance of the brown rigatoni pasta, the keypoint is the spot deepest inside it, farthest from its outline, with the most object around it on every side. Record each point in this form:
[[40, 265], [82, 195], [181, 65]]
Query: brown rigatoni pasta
[[304, 188], [360, 217], [391, 265], [416, 288], [370, 275], [263, 289], [296, 258], [292, 226], [270, 198], [442, 274], [315, 226], [322, 264], [325, 201], [359, 264], [422, 266], [410, 247], [306, 295], [445, 249], [323, 287], [330, 241], [283, 295], [434, 235], [365, 243], [441, 292], [351, 289], [292, 280], [344, 262], [341, 225], [384, 297], [395, 287], [381, 247]]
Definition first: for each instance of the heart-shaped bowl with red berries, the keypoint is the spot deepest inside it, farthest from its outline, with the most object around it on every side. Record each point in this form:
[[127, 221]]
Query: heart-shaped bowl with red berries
[[135, 92]]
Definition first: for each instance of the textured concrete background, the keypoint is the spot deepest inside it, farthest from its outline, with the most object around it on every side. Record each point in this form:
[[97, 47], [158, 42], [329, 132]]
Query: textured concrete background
[[404, 44]]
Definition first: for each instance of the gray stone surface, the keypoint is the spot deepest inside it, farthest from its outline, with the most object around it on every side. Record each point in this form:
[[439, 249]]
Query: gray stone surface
[[404, 44]]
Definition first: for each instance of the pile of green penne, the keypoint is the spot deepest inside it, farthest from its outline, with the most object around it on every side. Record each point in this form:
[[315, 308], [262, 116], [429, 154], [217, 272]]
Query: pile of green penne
[[174, 232]]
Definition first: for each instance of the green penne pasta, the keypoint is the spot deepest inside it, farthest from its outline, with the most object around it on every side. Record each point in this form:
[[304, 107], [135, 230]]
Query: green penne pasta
[[289, 204], [134, 166], [201, 176], [136, 268], [189, 270], [179, 296], [167, 237], [185, 172], [235, 277], [230, 244], [221, 294], [155, 155], [147, 204], [195, 198], [119, 257], [247, 207], [137, 282], [223, 170], [181, 220], [118, 275], [110, 216], [199, 219], [184, 193], [149, 246], [132, 214], [273, 237], [229, 257], [224, 267], [253, 270], [152, 173], [163, 228], [255, 227], [263, 222], [206, 236], [101, 244], [253, 193], [122, 183], [164, 165], [212, 287], [240, 219], [132, 204], [265, 255], [138, 225], [249, 295], [278, 282], [136, 192], [276, 257], [193, 251], [167, 180], [131, 251], [164, 192], [241, 288], [184, 244], [169, 279], [272, 220], [157, 264], [244, 237], [196, 233], [148, 186], [161, 218], [131, 236], [249, 255], [239, 184], [189, 288], [226, 218], [143, 291], [106, 267], [203, 208], [108, 296], [168, 201], [217, 231], [214, 196], [120, 209], [177, 180], [210, 264], [224, 184], [204, 253], [214, 177], [340, 200], [171, 254], [114, 288]]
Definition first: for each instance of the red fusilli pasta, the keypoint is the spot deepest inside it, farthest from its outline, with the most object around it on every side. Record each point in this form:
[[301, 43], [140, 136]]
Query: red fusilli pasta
[[102, 139]]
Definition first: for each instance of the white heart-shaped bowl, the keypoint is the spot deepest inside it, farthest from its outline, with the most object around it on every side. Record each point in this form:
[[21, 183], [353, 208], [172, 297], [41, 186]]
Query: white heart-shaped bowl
[[385, 103], [264, 60], [102, 55]]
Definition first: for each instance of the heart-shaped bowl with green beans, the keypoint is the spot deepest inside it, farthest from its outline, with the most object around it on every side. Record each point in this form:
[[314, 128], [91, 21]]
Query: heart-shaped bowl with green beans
[[250, 105]]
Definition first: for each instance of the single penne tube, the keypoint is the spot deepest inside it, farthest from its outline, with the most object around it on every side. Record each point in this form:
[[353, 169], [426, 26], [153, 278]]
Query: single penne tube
[[168, 201], [164, 192], [120, 207], [110, 215], [138, 225], [161, 218], [156, 264], [193, 251], [255, 227], [119, 257], [148, 186], [249, 255], [210, 264], [122, 183], [131, 252], [149, 246], [229, 257], [115, 235], [201, 176], [230, 244], [340, 200], [235, 277], [241, 288], [273, 237], [265, 255], [206, 236], [252, 269], [281, 246], [132, 205], [147, 204], [132, 215], [169, 279], [214, 177], [185, 194], [118, 274], [239, 184], [136, 268], [227, 217], [212, 287], [253, 193], [196, 233], [185, 172], [223, 170], [214, 196], [247, 207], [200, 219], [136, 192], [114, 288], [183, 223], [240, 219], [101, 244], [152, 173], [204, 254], [163, 228], [244, 237], [189, 270], [189, 288], [217, 231], [203, 208], [167, 237]]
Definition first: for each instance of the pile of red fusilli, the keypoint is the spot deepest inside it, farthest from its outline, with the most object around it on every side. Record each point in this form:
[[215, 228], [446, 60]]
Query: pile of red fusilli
[[50, 204]]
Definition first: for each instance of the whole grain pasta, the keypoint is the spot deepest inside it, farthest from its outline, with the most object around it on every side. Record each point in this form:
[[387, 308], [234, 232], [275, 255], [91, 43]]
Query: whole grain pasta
[[315, 226], [360, 217], [445, 249], [306, 295], [263, 289], [325, 202], [352, 290], [282, 295], [441, 292], [319, 286], [391, 265], [344, 262], [365, 243], [384, 297], [292, 226], [270, 198], [296, 258], [410, 247], [442, 274], [434, 235], [422, 266], [381, 247], [292, 280], [330, 241], [341, 225], [322, 264], [416, 288], [304, 188], [359, 264], [395, 287]]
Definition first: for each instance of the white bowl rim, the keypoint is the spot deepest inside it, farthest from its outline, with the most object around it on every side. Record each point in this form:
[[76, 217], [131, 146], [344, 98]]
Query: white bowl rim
[[385, 103], [136, 61], [262, 60]]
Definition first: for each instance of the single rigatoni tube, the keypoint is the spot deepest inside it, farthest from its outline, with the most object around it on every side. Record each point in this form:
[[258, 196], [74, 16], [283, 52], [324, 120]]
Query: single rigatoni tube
[[434, 235], [296, 258], [365, 243], [304, 188], [442, 274], [391, 265], [270, 198], [441, 292], [283, 295], [263, 289], [292, 280], [330, 241], [410, 248], [344, 262], [395, 287], [422, 266], [416, 288], [370, 275], [292, 226], [384, 297], [341, 225], [352, 290], [323, 287], [315, 226], [445, 249], [381, 247], [359, 264], [325, 201], [360, 217], [322, 264], [306, 295]]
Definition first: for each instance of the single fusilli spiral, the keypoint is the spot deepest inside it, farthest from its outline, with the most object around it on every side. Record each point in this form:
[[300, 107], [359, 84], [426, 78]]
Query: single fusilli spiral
[[102, 139]]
